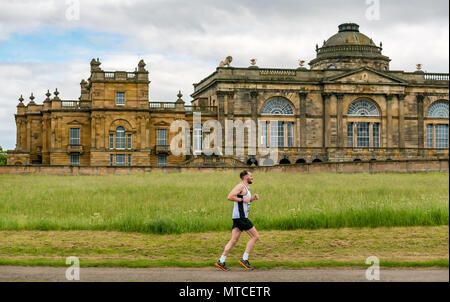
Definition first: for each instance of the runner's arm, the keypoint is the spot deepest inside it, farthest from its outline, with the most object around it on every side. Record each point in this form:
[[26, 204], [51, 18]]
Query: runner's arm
[[233, 196]]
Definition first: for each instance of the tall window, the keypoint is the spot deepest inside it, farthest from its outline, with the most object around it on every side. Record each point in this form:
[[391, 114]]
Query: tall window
[[120, 98], [430, 136], [363, 138], [277, 106], [161, 137], [111, 141], [207, 140], [376, 135], [120, 138], [75, 159], [276, 134], [129, 141], [120, 159], [111, 159], [162, 160], [129, 159], [198, 139], [75, 136], [441, 136], [263, 133], [350, 134], [290, 130], [438, 132]]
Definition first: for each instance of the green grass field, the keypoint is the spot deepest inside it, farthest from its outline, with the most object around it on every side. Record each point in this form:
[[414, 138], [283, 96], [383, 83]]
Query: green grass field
[[184, 220], [196, 202]]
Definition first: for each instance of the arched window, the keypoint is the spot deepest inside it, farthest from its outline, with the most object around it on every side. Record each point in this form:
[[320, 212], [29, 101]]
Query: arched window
[[359, 132], [363, 108], [120, 138], [438, 110], [277, 106]]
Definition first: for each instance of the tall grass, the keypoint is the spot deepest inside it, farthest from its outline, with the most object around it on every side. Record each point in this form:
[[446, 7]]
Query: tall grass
[[196, 202]]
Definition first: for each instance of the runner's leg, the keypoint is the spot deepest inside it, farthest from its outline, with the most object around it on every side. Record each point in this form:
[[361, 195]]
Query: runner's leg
[[254, 236], [235, 234]]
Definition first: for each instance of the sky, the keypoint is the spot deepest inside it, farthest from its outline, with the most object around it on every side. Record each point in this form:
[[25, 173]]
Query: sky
[[48, 44]]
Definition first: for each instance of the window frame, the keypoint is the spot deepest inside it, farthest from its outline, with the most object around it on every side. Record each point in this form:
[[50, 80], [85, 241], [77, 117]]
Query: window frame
[[117, 98]]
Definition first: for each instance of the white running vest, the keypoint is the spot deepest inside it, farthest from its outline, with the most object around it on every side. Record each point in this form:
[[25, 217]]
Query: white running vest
[[240, 208]]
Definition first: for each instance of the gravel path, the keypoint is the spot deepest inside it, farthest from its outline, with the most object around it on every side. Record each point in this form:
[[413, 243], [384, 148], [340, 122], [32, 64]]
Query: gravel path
[[19, 273]]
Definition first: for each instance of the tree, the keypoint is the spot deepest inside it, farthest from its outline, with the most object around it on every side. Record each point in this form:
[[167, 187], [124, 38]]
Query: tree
[[2, 157]]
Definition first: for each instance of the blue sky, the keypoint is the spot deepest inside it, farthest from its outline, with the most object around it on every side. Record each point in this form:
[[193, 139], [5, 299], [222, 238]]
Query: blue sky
[[184, 41]]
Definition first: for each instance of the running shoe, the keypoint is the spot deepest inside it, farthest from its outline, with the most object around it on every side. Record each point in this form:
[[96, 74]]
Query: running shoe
[[222, 266], [246, 264]]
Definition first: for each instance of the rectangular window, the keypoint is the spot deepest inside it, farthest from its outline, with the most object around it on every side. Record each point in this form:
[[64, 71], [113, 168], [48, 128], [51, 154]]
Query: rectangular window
[[376, 135], [120, 159], [198, 139], [161, 137], [129, 141], [429, 136], [120, 98], [441, 136], [75, 159], [290, 130], [263, 133], [350, 135], [111, 160], [207, 140], [188, 139], [111, 141], [74, 136], [129, 159], [162, 160], [363, 137]]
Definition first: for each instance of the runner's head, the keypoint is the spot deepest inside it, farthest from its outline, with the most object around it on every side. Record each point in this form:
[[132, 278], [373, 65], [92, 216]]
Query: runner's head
[[246, 176]]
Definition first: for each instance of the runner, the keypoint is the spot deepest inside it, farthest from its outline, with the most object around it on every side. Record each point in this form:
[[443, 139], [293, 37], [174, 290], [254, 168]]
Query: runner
[[242, 198]]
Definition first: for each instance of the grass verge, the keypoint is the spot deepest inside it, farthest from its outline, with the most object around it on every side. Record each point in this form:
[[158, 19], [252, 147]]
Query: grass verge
[[395, 247]]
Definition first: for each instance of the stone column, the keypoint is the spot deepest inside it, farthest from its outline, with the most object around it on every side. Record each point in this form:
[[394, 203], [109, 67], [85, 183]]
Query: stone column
[[389, 98], [420, 115], [401, 121], [339, 120], [325, 119], [93, 122], [371, 135], [301, 126], [221, 114]]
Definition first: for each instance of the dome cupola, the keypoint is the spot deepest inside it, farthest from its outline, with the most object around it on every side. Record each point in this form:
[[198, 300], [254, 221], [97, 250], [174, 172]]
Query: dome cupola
[[349, 49]]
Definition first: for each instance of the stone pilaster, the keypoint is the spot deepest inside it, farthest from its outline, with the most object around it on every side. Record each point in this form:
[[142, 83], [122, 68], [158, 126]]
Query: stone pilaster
[[389, 99], [325, 119], [401, 121], [301, 126], [420, 116], [339, 121]]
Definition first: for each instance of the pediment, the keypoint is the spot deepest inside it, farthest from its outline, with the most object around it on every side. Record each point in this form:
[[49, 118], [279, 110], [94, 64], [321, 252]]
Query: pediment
[[365, 76], [75, 122], [161, 124]]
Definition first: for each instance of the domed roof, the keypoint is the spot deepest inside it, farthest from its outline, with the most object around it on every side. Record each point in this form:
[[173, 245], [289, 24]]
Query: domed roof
[[349, 35], [349, 49]]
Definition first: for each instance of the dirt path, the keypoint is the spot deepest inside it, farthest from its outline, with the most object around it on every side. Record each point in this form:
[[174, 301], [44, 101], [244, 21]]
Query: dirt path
[[18, 273]]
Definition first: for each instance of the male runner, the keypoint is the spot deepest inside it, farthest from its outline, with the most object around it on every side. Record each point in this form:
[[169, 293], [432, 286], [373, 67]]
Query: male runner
[[242, 198]]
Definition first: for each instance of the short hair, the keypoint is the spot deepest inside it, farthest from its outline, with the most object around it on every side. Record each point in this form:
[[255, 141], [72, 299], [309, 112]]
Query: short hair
[[243, 173]]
